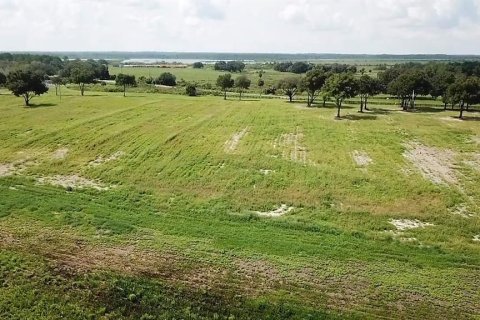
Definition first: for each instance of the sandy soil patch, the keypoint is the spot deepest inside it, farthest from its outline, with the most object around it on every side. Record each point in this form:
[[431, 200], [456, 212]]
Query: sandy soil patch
[[60, 154], [462, 211], [434, 164], [73, 182], [232, 144], [405, 224], [7, 169], [290, 144], [361, 158], [282, 210], [476, 139], [102, 160], [10, 169], [266, 172]]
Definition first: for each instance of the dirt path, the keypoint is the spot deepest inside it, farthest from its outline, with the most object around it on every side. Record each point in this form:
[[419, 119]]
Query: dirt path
[[232, 144]]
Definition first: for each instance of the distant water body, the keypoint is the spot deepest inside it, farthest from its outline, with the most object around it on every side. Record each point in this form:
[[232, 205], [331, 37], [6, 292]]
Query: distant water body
[[179, 61]]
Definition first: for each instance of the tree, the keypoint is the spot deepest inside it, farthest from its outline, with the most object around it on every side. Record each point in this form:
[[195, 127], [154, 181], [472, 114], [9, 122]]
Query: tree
[[57, 81], [260, 83], [289, 86], [235, 66], [464, 92], [230, 66], [220, 66], [313, 83], [125, 80], [225, 82], [191, 90], [3, 79], [440, 81], [26, 84], [242, 83], [166, 79], [407, 86], [198, 65], [300, 67], [82, 74], [340, 87], [367, 87]]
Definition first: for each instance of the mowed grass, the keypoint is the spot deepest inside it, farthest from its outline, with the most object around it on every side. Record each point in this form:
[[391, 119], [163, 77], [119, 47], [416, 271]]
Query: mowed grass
[[206, 75], [177, 234]]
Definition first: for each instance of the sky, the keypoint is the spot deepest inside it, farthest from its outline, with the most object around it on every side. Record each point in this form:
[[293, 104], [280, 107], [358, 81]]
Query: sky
[[279, 26]]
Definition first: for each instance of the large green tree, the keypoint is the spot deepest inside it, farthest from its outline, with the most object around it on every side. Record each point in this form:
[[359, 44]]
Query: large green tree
[[225, 82], [242, 83], [367, 87], [3, 79], [312, 83], [167, 79], [341, 86], [408, 86], [82, 74], [125, 80], [57, 81], [26, 84], [289, 86], [464, 92]]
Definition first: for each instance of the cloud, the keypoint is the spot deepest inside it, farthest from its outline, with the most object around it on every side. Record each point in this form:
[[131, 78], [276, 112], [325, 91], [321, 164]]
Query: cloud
[[348, 26], [194, 11], [324, 16]]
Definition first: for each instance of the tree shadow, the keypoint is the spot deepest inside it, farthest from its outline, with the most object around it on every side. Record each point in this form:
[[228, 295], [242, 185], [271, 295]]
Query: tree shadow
[[378, 111], [470, 118], [426, 110], [40, 105], [360, 116]]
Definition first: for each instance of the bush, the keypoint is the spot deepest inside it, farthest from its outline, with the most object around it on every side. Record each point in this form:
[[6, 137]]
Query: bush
[[198, 65], [271, 90], [191, 90], [166, 79]]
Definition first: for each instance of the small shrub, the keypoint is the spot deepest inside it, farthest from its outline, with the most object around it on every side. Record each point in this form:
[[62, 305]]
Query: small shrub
[[191, 90]]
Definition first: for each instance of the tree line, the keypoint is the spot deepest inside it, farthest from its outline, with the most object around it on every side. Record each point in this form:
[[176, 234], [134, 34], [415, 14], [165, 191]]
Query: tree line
[[456, 83]]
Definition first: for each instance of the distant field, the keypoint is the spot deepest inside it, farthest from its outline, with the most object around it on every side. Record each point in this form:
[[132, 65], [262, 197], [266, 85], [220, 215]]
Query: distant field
[[199, 76], [164, 206]]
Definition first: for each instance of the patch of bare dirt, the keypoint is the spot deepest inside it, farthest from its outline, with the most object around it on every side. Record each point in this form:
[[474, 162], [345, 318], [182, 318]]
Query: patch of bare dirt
[[73, 182], [462, 211], [434, 164], [405, 224], [361, 158], [60, 154], [7, 169], [102, 160], [280, 211], [16, 167], [232, 144], [476, 139], [290, 144], [266, 172]]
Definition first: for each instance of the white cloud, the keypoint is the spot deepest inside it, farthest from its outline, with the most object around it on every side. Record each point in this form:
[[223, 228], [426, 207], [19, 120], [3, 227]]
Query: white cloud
[[349, 26]]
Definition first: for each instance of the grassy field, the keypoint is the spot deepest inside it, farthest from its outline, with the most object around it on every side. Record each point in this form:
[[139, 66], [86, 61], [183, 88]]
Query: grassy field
[[203, 76], [161, 207]]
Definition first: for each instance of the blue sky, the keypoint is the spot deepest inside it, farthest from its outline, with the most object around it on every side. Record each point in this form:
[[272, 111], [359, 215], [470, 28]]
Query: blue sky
[[334, 26]]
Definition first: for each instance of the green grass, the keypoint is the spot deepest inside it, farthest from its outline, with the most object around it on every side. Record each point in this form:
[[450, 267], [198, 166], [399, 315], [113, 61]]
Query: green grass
[[202, 76], [179, 194]]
